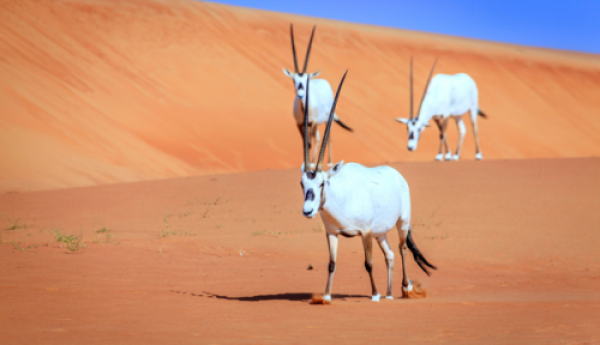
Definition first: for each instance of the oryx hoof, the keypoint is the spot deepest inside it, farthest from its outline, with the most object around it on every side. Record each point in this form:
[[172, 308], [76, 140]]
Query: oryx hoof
[[479, 156], [439, 157], [389, 297], [456, 157], [448, 156], [375, 298], [320, 299], [415, 291]]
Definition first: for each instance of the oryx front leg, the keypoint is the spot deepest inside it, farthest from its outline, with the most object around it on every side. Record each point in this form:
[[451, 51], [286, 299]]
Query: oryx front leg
[[332, 240], [445, 139], [367, 237], [330, 159], [389, 261], [315, 134], [461, 135], [440, 155]]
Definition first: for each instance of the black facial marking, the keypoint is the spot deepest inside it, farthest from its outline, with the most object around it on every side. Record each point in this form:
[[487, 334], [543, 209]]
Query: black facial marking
[[311, 175], [411, 135], [310, 195], [300, 86], [331, 267]]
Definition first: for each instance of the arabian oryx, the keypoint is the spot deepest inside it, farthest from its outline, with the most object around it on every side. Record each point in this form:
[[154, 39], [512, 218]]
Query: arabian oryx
[[321, 96], [447, 96], [354, 200]]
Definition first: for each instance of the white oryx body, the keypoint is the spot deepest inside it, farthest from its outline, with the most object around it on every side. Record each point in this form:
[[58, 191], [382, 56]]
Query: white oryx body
[[359, 199], [354, 200], [448, 96], [321, 96]]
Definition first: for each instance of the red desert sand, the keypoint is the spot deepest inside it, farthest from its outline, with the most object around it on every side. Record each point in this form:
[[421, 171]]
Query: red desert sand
[[224, 259], [97, 93]]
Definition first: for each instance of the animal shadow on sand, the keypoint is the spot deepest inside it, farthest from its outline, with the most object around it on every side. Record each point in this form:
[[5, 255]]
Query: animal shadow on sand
[[288, 296]]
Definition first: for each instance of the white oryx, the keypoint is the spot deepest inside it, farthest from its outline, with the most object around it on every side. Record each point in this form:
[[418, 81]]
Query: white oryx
[[447, 96], [320, 94], [354, 200]]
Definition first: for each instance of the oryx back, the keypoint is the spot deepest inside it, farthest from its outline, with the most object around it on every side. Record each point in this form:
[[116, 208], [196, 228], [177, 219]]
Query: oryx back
[[363, 199], [450, 95]]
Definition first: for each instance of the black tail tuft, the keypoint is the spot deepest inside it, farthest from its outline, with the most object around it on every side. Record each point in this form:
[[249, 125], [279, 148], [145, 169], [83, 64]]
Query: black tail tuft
[[339, 122], [419, 258], [480, 113]]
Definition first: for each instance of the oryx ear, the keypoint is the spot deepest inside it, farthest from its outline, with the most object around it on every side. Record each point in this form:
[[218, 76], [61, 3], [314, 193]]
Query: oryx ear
[[336, 168], [288, 73], [399, 119], [314, 75]]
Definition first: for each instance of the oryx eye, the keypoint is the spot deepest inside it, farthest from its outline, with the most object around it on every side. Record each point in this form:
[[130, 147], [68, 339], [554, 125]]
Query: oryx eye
[[322, 184]]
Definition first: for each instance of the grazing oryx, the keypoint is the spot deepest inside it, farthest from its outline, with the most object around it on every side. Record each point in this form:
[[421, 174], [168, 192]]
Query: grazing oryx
[[447, 96], [321, 96], [354, 200]]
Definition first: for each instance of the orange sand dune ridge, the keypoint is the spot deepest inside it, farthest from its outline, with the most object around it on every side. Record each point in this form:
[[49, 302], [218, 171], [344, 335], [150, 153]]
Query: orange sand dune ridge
[[115, 91]]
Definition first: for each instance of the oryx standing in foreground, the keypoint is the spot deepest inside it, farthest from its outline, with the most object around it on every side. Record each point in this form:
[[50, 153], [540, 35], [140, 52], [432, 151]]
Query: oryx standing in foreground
[[354, 200], [447, 96], [321, 96]]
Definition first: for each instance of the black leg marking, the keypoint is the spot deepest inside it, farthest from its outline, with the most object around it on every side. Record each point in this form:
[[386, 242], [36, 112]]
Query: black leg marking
[[331, 267]]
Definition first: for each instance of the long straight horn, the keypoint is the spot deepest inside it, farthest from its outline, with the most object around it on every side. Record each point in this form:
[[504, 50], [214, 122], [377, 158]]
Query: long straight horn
[[306, 138], [308, 50], [426, 87], [294, 48], [328, 128], [411, 88]]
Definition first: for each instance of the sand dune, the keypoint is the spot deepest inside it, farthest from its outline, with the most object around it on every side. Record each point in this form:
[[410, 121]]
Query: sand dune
[[114, 91]]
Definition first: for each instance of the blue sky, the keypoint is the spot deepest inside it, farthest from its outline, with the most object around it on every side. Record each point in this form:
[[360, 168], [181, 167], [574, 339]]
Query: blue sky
[[570, 25]]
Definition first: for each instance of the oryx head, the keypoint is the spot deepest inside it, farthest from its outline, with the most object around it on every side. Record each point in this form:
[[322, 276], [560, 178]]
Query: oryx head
[[301, 78], [313, 182], [414, 125]]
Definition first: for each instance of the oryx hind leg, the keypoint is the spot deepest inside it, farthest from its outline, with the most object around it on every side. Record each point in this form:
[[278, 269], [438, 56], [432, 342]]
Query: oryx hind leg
[[389, 261], [403, 228], [478, 154], [367, 237]]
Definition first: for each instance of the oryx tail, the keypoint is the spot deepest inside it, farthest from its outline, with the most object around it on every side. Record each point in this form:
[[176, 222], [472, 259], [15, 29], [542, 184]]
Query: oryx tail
[[480, 113], [419, 258], [343, 125]]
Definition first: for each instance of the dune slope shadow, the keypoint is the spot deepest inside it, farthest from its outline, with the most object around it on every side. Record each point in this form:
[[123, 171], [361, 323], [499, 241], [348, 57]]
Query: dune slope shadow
[[288, 296]]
